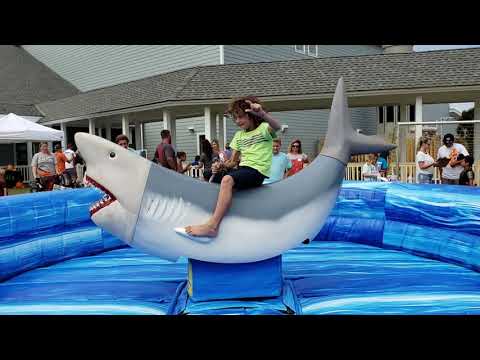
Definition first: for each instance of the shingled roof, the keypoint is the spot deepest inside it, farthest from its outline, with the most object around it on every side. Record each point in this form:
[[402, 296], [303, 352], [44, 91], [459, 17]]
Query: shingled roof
[[448, 68], [24, 82]]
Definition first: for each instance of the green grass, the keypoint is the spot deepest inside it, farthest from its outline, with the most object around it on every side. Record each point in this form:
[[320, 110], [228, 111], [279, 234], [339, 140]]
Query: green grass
[[15, 191]]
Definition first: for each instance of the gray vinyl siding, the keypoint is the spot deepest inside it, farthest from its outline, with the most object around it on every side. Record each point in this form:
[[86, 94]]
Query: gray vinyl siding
[[436, 112], [91, 67], [310, 126], [151, 137], [185, 140], [236, 54]]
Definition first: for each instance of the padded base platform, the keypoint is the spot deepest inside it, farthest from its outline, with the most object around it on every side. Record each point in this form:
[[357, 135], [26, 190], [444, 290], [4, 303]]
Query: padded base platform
[[212, 281]]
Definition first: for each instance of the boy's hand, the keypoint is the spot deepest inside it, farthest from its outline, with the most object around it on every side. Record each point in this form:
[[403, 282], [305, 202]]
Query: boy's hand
[[255, 109], [216, 167]]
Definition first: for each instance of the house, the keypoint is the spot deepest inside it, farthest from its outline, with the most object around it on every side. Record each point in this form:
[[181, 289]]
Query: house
[[24, 82], [115, 65], [142, 89]]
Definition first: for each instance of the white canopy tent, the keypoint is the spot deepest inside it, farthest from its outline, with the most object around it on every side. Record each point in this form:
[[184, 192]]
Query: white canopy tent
[[16, 129]]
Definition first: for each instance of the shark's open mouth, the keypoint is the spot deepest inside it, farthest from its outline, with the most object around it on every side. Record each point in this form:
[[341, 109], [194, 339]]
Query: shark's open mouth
[[106, 200]]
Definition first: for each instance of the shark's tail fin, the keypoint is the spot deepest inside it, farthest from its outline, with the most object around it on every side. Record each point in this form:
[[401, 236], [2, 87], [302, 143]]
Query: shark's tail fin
[[342, 140]]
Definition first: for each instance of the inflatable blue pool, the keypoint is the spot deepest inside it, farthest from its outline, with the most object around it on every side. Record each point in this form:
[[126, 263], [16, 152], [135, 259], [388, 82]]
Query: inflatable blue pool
[[385, 249]]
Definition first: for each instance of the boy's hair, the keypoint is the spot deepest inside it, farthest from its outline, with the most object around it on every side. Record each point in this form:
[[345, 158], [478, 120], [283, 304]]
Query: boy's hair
[[121, 137], [197, 157], [278, 141], [165, 134], [180, 154], [237, 108]]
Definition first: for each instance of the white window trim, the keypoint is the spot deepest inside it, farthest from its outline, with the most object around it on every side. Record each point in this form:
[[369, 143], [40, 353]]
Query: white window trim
[[299, 51], [312, 54], [222, 55]]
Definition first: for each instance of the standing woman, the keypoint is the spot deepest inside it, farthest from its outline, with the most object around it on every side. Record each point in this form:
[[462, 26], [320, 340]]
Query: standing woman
[[43, 167], [223, 155], [425, 163], [297, 157], [207, 158]]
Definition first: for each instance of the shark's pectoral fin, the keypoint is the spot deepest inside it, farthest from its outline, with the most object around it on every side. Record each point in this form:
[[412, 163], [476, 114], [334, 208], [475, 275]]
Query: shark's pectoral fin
[[201, 239]]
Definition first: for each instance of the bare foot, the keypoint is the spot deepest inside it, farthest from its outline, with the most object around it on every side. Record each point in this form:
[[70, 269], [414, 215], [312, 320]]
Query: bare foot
[[207, 230]]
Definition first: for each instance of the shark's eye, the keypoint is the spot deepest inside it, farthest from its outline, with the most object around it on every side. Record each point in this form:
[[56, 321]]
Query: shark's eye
[[112, 154]]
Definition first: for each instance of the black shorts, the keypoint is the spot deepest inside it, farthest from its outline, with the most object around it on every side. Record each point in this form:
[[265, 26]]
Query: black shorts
[[244, 178]]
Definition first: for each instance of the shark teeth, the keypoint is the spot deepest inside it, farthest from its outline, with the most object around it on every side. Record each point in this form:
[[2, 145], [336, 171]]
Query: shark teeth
[[106, 199]]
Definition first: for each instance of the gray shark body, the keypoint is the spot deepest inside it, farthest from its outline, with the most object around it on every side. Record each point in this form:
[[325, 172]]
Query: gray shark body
[[264, 222]]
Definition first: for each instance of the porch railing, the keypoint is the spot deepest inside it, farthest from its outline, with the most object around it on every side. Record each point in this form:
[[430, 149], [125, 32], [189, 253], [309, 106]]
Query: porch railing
[[26, 172], [407, 172]]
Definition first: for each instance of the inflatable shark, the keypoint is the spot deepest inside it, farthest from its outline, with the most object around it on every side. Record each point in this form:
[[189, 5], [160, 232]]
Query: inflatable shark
[[144, 202]]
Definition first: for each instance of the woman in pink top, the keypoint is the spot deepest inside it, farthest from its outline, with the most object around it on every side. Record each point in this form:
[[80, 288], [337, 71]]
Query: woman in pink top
[[297, 157]]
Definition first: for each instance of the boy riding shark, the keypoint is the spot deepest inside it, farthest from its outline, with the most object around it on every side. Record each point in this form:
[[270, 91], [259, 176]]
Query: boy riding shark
[[144, 203]]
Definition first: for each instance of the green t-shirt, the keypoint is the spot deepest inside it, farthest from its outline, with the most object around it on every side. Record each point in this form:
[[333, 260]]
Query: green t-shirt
[[255, 147]]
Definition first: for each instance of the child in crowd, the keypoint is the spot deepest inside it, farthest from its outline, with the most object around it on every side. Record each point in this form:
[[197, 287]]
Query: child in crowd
[[182, 168], [467, 176], [196, 162], [254, 143]]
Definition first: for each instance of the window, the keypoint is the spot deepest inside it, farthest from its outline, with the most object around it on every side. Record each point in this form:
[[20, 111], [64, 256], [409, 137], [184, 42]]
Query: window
[[390, 112], [313, 50], [21, 150], [200, 139], [412, 113], [380, 114], [300, 49]]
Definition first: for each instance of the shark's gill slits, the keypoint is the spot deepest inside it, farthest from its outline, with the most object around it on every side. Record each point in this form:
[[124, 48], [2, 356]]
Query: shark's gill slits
[[106, 200]]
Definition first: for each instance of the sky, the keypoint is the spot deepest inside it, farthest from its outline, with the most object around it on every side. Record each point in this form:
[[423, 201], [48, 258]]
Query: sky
[[458, 106]]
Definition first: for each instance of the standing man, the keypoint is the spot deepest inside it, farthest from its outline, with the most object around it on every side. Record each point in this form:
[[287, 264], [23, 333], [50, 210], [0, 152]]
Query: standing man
[[280, 163], [165, 153], [447, 154]]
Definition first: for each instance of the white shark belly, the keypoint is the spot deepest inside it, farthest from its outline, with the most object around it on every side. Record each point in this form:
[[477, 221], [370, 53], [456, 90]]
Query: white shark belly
[[241, 238]]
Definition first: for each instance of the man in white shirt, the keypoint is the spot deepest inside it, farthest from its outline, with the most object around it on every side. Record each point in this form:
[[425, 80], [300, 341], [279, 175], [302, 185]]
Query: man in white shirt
[[450, 174]]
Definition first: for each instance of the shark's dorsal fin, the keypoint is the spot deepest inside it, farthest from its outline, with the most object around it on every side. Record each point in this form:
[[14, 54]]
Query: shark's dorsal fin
[[342, 140]]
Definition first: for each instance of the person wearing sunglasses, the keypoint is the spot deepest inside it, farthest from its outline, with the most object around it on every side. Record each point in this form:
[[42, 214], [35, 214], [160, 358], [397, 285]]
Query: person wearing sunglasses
[[451, 168], [297, 157]]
